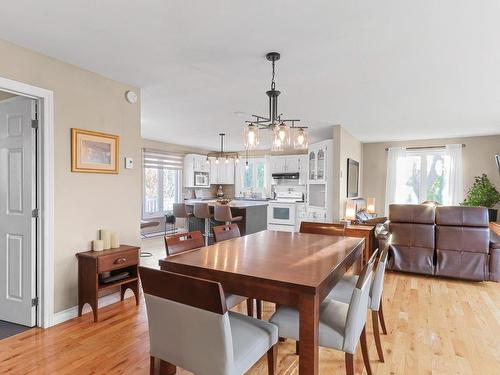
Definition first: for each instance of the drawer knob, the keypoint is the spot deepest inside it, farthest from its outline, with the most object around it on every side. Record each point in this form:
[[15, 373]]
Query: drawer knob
[[120, 260]]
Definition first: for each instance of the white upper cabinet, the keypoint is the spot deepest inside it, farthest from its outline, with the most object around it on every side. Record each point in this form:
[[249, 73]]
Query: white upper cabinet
[[318, 162], [222, 173], [194, 163], [288, 164]]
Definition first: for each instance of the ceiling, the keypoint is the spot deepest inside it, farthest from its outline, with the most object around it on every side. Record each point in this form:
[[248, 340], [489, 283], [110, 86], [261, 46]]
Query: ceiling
[[385, 70]]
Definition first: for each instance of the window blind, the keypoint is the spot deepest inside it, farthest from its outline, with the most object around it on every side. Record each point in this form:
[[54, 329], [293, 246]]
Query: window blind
[[162, 159]]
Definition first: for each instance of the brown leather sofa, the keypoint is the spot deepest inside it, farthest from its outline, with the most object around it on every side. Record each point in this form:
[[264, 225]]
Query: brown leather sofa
[[443, 241]]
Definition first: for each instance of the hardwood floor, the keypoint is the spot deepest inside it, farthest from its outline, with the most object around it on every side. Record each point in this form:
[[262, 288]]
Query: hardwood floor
[[435, 326]]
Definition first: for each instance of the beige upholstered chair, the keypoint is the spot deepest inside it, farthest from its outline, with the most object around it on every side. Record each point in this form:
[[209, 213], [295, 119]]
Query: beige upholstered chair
[[222, 214], [190, 327], [341, 325], [179, 243], [202, 211], [180, 212], [343, 291]]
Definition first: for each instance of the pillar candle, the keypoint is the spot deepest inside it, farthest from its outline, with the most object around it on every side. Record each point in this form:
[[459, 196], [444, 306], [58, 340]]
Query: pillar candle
[[115, 241], [97, 245], [106, 238]]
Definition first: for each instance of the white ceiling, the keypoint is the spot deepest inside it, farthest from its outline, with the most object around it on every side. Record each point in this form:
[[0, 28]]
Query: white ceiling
[[386, 70]]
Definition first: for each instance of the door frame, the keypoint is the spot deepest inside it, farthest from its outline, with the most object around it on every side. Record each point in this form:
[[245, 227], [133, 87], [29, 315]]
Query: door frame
[[45, 183]]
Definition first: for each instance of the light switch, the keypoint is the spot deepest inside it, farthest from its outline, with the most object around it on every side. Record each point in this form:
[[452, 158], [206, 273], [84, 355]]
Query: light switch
[[129, 163]]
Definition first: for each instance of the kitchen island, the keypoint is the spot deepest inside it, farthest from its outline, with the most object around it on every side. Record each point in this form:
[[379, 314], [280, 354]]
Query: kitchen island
[[254, 214]]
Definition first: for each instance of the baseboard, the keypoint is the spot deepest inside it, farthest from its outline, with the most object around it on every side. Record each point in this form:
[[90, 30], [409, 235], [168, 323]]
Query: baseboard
[[72, 312]]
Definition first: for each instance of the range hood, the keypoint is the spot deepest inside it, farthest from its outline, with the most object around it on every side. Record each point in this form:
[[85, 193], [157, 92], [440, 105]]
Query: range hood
[[286, 176]]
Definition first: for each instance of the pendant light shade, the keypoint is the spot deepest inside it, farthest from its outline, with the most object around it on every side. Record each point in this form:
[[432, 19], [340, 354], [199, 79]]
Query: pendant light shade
[[300, 141], [284, 133], [278, 143], [251, 136]]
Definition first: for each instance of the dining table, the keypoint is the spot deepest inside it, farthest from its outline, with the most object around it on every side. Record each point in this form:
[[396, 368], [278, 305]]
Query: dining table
[[291, 269]]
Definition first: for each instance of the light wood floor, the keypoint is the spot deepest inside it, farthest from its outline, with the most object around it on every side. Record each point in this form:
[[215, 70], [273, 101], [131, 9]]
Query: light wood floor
[[436, 326]]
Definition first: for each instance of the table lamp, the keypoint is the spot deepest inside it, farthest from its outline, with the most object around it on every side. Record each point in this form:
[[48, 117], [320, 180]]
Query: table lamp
[[370, 205], [350, 210]]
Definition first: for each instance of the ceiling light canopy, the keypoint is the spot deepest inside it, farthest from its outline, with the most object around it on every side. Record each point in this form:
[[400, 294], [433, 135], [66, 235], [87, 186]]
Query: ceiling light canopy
[[285, 133]]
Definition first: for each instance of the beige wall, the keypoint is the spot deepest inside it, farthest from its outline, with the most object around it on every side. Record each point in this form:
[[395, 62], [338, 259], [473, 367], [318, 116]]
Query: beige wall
[[478, 158], [345, 146], [84, 202]]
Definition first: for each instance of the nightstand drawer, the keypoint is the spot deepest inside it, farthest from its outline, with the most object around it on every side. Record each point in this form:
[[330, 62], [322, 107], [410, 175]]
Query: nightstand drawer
[[120, 260]]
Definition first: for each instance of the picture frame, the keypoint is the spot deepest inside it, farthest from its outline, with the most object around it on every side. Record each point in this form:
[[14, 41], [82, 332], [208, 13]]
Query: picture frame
[[352, 178], [94, 152]]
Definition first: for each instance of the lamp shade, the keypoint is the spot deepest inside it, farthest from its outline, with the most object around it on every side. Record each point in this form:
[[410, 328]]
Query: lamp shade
[[350, 210], [370, 205], [300, 141], [251, 136]]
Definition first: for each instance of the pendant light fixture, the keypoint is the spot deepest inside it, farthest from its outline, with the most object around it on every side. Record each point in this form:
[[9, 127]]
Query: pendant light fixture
[[284, 132], [221, 155]]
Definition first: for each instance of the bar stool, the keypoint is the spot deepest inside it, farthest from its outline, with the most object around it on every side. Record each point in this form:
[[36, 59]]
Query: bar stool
[[222, 213], [180, 212], [202, 211]]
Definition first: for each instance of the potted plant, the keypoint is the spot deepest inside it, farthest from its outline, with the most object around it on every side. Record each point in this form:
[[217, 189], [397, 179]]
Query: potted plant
[[483, 193]]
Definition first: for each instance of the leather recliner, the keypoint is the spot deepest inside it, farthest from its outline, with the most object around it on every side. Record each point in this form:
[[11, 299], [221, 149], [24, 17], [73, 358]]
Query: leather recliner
[[444, 241]]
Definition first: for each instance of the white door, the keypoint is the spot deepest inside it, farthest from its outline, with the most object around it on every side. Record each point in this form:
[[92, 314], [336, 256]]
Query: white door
[[17, 202]]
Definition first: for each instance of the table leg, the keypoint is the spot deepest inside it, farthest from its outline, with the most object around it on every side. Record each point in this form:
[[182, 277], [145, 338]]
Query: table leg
[[309, 334]]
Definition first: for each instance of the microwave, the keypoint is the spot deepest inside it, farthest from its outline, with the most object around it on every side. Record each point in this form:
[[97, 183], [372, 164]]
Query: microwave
[[201, 179]]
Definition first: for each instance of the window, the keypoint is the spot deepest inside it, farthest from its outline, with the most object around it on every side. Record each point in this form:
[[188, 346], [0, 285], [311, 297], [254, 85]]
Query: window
[[419, 175], [162, 182], [252, 178]]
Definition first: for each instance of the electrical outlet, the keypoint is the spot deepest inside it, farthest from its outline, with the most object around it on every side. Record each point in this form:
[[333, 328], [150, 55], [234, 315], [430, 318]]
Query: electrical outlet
[[129, 163]]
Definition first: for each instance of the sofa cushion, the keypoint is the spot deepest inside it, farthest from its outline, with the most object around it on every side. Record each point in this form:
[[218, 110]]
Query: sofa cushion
[[462, 265], [462, 216], [473, 239], [411, 259], [412, 235], [412, 213]]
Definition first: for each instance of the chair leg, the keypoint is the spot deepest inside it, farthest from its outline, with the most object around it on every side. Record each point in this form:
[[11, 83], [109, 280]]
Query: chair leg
[[151, 365], [381, 317], [250, 307], [272, 359], [364, 351], [376, 334], [349, 364], [297, 347], [259, 308]]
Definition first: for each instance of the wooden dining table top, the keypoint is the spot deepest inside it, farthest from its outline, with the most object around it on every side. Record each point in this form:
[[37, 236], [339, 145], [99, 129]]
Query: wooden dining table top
[[301, 259]]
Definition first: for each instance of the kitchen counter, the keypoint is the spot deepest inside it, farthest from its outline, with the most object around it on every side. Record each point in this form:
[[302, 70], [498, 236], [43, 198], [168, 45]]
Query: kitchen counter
[[254, 214], [233, 204]]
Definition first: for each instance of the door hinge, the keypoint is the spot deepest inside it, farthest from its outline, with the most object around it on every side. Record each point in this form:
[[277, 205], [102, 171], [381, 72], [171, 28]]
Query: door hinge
[[35, 212], [34, 301], [34, 124]]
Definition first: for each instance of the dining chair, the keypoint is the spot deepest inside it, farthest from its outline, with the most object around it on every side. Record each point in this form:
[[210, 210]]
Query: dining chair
[[180, 212], [178, 243], [227, 232], [322, 228], [222, 214], [341, 325], [182, 242], [344, 288], [190, 327]]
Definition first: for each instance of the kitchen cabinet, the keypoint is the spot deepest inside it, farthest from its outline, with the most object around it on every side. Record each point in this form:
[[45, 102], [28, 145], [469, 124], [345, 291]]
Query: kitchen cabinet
[[221, 173], [318, 161], [288, 163], [194, 163]]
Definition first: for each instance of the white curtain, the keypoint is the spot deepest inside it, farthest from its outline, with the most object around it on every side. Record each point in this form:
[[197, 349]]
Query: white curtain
[[393, 155], [453, 176]]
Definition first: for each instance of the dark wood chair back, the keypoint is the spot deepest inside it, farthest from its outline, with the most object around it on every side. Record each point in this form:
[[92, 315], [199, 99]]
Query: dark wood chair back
[[181, 242], [226, 232], [322, 228], [203, 294]]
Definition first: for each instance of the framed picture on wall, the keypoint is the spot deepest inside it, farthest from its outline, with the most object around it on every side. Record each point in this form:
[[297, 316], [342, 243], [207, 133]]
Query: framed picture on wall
[[94, 152], [497, 157], [352, 178]]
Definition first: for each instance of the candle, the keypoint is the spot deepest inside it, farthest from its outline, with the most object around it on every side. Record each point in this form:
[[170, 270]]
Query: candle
[[106, 238], [115, 241], [97, 245]]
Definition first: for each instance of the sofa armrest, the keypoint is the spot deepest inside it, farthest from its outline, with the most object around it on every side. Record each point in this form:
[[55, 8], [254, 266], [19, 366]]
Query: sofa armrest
[[376, 220]]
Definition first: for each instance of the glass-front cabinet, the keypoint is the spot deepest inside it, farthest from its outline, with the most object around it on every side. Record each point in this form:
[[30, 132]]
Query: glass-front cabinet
[[317, 162]]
